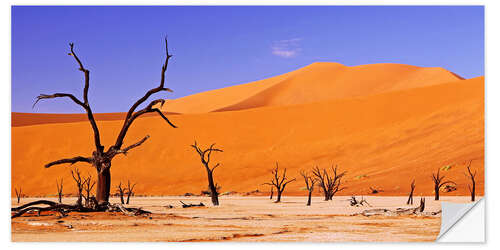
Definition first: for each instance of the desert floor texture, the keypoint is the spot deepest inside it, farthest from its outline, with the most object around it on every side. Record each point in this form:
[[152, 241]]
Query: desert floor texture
[[238, 218]]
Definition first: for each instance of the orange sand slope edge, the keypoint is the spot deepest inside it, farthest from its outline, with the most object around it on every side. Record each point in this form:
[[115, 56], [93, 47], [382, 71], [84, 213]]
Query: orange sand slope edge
[[313, 83], [28, 119], [383, 141]]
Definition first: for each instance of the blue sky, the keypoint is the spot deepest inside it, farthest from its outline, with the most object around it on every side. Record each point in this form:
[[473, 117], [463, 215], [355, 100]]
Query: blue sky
[[220, 46]]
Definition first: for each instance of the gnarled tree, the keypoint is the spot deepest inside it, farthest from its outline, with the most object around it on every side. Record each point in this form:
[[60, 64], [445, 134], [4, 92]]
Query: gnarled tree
[[130, 190], [309, 181], [79, 185], [329, 183], [472, 176], [205, 160], [438, 183], [101, 159], [279, 181], [59, 190], [410, 196], [121, 192], [88, 185], [19, 194]]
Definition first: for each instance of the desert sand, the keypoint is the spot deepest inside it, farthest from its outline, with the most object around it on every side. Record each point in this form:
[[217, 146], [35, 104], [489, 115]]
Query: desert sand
[[404, 124], [237, 219], [385, 124]]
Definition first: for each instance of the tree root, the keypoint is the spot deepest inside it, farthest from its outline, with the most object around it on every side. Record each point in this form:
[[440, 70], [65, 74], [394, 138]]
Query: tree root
[[64, 209]]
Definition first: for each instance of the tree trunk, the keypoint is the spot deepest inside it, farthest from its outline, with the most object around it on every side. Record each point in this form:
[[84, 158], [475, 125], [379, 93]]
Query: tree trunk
[[213, 189], [279, 196], [103, 186], [326, 194], [272, 192], [473, 192], [410, 198], [436, 193], [60, 198], [309, 199]]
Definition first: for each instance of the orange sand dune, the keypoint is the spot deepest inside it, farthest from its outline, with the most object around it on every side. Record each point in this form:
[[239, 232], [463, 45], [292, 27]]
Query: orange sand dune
[[28, 119], [313, 83], [383, 140]]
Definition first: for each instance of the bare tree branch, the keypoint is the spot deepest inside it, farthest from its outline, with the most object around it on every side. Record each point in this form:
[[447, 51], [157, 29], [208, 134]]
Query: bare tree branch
[[125, 150], [69, 160], [45, 96], [129, 118]]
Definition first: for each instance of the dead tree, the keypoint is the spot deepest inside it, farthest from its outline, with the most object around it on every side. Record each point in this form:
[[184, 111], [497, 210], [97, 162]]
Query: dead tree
[[101, 159], [205, 160], [438, 183], [19, 194], [121, 191], [88, 185], [130, 191], [410, 196], [60, 190], [279, 182], [309, 181], [472, 177], [331, 184], [79, 184], [272, 192]]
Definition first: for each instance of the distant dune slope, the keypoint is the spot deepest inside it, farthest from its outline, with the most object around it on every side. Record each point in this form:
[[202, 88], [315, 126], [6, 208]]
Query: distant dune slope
[[313, 83], [383, 140], [28, 119]]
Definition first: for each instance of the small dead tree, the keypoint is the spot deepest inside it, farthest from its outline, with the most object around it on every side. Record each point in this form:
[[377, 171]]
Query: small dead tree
[[309, 181], [410, 196], [60, 190], [88, 185], [101, 159], [130, 190], [79, 184], [19, 194], [121, 191], [279, 182], [330, 183], [438, 183], [205, 160], [272, 192], [472, 176]]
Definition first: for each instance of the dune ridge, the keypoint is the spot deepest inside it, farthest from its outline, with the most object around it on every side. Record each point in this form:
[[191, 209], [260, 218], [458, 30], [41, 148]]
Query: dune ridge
[[314, 83]]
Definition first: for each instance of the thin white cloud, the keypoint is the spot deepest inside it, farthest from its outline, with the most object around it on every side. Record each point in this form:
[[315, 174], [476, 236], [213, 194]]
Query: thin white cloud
[[287, 48]]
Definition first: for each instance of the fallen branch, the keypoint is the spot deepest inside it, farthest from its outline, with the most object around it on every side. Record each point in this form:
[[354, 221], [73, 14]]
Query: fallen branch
[[400, 211], [64, 209], [184, 205]]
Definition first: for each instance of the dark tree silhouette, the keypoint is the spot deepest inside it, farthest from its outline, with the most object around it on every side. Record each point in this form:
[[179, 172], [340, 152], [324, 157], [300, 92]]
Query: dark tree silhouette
[[19, 194], [79, 185], [272, 193], [279, 182], [410, 196], [438, 183], [472, 177], [329, 183], [309, 181], [60, 190], [101, 159], [205, 160], [88, 185], [130, 190], [121, 192]]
